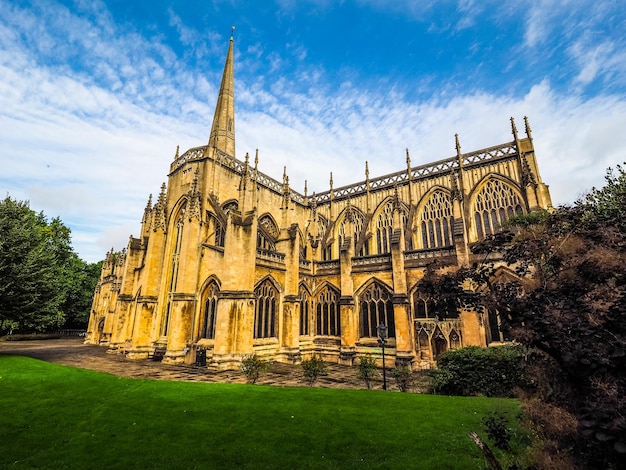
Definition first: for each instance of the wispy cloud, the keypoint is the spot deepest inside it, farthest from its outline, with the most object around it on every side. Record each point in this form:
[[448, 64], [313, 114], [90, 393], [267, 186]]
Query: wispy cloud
[[92, 111]]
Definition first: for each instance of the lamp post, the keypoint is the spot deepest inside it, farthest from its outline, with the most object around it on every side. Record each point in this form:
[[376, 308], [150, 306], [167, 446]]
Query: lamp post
[[382, 341]]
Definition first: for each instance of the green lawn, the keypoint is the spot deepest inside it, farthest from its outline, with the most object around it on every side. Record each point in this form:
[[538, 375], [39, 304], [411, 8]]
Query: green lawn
[[59, 417]]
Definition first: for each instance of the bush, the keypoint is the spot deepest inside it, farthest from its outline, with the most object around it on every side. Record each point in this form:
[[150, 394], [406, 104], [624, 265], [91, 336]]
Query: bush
[[403, 377], [252, 366], [497, 428], [492, 372], [367, 370], [313, 369]]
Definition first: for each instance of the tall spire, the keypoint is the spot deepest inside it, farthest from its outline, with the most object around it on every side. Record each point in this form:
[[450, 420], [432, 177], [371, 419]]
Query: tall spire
[[223, 129]]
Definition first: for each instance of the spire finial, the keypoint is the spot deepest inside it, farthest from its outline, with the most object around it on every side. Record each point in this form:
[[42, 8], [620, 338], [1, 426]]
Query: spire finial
[[408, 158], [457, 144], [305, 188], [331, 180], [367, 170], [176, 154], [232, 33], [256, 159], [514, 128], [529, 132]]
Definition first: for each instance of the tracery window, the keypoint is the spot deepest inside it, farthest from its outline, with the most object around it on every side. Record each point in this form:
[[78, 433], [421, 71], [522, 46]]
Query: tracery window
[[207, 329], [376, 308], [495, 203], [437, 221], [267, 233], [327, 318], [384, 229], [178, 242], [306, 308], [423, 307], [356, 218], [265, 312]]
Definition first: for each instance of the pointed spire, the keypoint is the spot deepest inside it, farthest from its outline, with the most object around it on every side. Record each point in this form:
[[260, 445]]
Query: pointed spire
[[457, 144], [305, 188], [223, 129], [514, 129], [331, 180], [367, 171], [160, 210], [176, 154], [148, 210], [529, 132], [408, 160]]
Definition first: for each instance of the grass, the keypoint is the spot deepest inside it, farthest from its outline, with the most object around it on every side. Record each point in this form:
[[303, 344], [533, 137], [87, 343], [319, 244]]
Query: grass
[[60, 417]]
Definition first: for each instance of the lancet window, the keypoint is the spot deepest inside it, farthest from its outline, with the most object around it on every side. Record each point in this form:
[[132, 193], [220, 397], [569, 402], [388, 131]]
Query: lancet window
[[495, 203], [327, 318], [178, 242], [267, 233], [384, 229], [265, 312], [376, 307], [356, 219], [207, 328], [437, 221], [306, 309]]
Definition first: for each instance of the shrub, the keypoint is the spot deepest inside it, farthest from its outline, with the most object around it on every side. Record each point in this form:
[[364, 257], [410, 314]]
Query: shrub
[[252, 366], [313, 369], [498, 430], [403, 377], [367, 370], [493, 372]]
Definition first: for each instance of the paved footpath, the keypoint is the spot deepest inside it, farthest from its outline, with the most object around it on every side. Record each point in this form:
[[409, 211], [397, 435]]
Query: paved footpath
[[73, 352]]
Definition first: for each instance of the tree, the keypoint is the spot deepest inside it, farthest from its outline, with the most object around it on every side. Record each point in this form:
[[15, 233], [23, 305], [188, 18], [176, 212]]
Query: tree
[[568, 304], [40, 274]]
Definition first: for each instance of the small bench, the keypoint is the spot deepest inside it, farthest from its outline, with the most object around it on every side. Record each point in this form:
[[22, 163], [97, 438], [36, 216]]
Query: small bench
[[157, 355]]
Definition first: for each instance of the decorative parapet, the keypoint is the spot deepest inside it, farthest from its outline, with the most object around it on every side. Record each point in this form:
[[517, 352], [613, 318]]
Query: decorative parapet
[[400, 178], [429, 325], [332, 265], [305, 264], [273, 256], [371, 260], [236, 166], [429, 253]]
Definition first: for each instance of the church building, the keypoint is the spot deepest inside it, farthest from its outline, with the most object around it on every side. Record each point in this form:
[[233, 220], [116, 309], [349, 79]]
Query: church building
[[231, 262]]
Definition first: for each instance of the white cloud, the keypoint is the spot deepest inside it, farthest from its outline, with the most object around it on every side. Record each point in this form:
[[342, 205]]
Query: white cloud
[[89, 145]]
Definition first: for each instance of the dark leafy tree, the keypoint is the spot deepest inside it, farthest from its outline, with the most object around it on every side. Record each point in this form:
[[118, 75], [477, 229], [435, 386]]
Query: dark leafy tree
[[568, 305]]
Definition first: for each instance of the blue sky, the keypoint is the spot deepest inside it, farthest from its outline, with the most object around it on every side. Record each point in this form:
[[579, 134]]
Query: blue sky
[[96, 95]]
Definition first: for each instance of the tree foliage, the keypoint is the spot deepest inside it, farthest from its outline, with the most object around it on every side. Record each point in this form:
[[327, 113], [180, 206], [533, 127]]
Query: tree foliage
[[43, 282], [564, 296]]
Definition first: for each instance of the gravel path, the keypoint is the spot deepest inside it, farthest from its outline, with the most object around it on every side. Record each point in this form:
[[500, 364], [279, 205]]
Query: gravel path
[[73, 352]]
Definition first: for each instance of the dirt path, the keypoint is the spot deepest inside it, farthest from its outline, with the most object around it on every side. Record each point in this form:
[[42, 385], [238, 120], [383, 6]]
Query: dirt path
[[73, 352]]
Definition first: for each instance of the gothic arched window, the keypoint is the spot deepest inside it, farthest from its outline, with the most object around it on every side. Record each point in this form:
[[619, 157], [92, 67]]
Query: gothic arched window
[[306, 309], [354, 217], [265, 312], [384, 229], [267, 234], [423, 307], [207, 329], [376, 308], [327, 318], [437, 221], [178, 243], [495, 203]]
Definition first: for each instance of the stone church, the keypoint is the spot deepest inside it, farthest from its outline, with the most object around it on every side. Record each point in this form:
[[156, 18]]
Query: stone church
[[232, 262]]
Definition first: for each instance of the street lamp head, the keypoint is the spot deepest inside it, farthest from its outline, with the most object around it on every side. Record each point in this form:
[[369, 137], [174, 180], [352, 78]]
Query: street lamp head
[[382, 331]]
